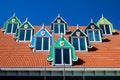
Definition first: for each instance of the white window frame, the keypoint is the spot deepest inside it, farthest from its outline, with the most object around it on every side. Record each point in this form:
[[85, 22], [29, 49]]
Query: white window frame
[[58, 28], [70, 57], [94, 35], [105, 29], [79, 44], [11, 28], [42, 44], [25, 36]]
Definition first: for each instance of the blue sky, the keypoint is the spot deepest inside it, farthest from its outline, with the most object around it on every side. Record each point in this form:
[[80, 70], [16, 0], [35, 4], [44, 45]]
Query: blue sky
[[73, 11]]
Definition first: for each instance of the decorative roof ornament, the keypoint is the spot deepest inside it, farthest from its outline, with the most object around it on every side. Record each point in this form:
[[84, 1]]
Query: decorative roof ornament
[[14, 15], [102, 16], [77, 26], [92, 20], [26, 20], [58, 15]]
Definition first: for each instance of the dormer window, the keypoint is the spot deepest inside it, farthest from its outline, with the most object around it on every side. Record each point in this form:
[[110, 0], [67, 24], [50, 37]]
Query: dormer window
[[94, 32], [62, 56], [94, 35], [79, 40], [106, 29], [62, 52], [106, 26], [11, 25], [59, 26], [11, 28], [25, 35], [25, 32], [42, 40]]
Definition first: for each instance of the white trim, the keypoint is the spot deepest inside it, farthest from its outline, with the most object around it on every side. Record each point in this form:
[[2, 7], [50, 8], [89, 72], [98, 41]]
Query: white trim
[[105, 29], [62, 56], [86, 49], [25, 35], [60, 68], [42, 44], [11, 32], [60, 18], [94, 35], [58, 28], [80, 31]]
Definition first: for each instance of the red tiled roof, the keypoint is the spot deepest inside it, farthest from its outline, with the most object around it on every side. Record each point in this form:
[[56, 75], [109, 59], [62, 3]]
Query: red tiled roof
[[18, 54]]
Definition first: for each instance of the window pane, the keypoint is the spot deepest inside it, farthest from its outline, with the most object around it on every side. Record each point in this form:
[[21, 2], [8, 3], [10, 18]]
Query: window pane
[[46, 43], [28, 35], [9, 27], [107, 29], [75, 43], [58, 59], [66, 56], [61, 28], [97, 37], [55, 28], [102, 27], [82, 44], [22, 34], [38, 43], [90, 35], [14, 28]]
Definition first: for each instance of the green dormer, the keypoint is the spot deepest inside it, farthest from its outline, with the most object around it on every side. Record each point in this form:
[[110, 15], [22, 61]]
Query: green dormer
[[24, 32], [62, 52], [11, 25], [106, 26]]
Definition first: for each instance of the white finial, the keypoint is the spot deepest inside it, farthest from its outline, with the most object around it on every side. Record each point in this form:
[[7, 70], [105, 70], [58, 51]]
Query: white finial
[[77, 26], [102, 16], [91, 20], [14, 15], [61, 35], [43, 26], [26, 20], [58, 14]]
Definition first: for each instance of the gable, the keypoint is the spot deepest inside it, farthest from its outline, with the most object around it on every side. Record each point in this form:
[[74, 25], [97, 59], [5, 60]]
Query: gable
[[39, 34], [81, 33], [92, 24], [13, 20], [103, 20], [26, 25]]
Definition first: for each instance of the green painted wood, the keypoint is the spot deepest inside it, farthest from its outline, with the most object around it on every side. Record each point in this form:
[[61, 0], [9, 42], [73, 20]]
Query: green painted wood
[[57, 45], [22, 27], [10, 21]]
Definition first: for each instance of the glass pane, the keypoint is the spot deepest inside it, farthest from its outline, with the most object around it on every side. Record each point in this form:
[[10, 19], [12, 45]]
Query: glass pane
[[102, 27], [58, 58], [90, 35], [107, 29], [14, 28], [75, 43], [97, 37], [22, 34], [66, 56], [28, 35], [61, 28], [46, 43], [9, 27], [56, 28], [82, 44], [38, 43]]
